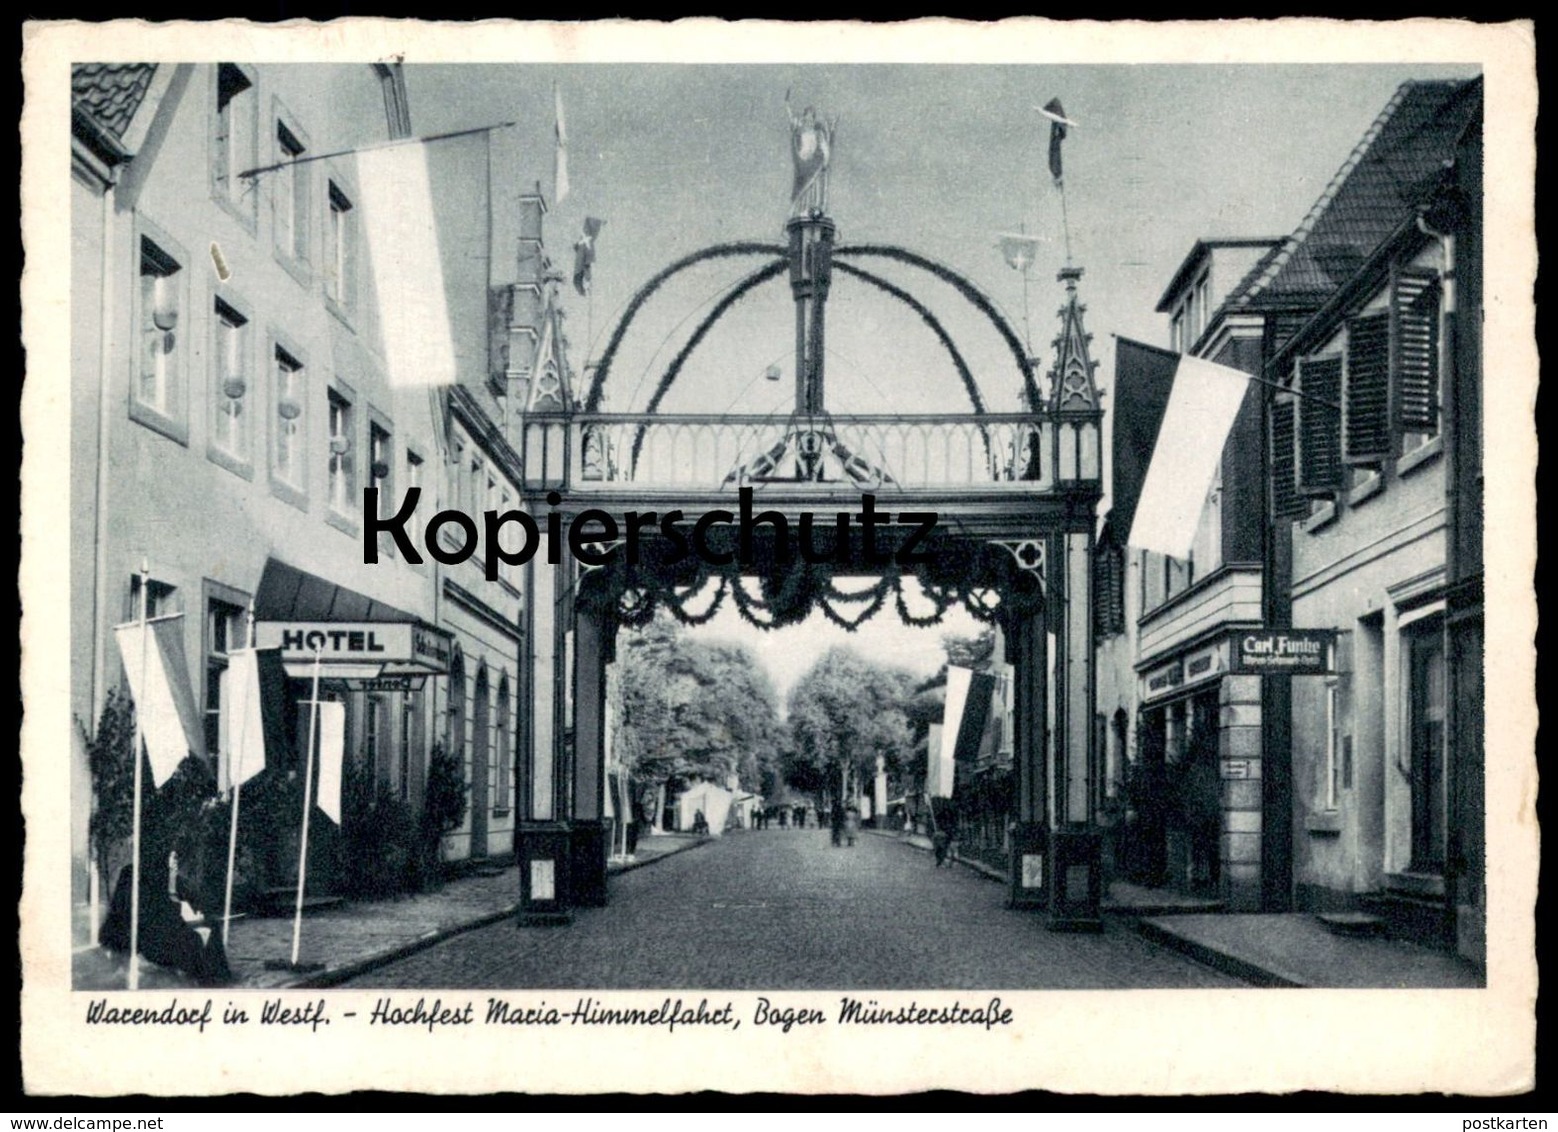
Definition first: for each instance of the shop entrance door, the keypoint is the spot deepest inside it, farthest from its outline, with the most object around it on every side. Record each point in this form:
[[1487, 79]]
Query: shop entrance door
[[1427, 739]]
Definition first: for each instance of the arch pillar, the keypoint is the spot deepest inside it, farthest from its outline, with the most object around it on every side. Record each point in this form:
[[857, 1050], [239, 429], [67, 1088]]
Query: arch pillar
[[593, 634], [543, 846]]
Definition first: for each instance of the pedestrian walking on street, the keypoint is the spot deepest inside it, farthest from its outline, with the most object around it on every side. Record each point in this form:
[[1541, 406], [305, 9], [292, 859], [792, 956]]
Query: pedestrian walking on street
[[836, 821], [851, 825]]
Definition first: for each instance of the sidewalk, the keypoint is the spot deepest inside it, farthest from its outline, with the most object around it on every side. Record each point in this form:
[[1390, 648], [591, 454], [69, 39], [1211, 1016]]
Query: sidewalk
[[1276, 950], [350, 938], [1296, 950]]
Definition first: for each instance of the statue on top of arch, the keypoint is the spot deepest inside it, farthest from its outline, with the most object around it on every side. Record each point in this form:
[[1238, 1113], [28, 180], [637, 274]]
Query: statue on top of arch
[[811, 149]]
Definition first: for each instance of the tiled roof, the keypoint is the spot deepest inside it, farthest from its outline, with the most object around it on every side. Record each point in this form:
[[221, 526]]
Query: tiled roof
[[110, 92], [1396, 166]]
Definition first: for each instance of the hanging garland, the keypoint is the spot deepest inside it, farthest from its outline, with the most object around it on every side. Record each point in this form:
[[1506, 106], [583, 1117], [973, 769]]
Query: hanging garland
[[875, 596], [982, 585], [678, 599], [939, 598]]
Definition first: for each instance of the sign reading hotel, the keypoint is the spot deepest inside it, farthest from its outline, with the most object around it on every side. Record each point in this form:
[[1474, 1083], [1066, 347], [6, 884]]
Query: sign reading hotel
[[370, 649], [1301, 652]]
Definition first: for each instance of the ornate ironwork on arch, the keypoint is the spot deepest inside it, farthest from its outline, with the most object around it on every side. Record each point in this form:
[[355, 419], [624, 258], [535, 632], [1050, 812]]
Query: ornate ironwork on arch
[[980, 577], [744, 286], [642, 295]]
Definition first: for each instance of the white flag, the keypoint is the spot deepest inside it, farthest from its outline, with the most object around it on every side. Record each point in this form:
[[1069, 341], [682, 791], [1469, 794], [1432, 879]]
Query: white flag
[[404, 253], [332, 747], [560, 185], [242, 754], [1201, 408], [159, 685]]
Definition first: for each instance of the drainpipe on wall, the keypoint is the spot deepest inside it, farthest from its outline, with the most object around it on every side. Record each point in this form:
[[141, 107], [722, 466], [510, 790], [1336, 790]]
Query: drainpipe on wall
[[100, 531]]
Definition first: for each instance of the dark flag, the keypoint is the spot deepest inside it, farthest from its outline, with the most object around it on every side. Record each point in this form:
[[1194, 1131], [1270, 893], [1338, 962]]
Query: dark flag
[[584, 254], [1057, 134]]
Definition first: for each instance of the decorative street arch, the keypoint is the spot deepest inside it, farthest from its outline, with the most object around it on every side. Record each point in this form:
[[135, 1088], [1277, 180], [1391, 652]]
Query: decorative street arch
[[1013, 498]]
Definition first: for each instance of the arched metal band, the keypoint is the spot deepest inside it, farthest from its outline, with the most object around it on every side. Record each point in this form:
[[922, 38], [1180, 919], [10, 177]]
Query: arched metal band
[[718, 251], [757, 278], [929, 319], [973, 294]]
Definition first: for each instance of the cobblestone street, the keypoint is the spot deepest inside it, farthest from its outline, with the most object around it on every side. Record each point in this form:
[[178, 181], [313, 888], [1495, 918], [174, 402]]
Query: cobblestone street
[[783, 909]]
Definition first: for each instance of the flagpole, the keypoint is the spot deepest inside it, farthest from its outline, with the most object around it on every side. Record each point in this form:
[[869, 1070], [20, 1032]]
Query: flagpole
[[377, 145], [308, 790], [236, 774], [1065, 222], [135, 813]]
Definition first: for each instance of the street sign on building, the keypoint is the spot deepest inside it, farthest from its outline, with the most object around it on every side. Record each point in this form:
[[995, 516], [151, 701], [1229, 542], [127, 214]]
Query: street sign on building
[[1284, 652]]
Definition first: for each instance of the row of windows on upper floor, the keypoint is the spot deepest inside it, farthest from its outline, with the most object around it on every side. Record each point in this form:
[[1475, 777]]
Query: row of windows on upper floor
[[242, 419], [1365, 404], [240, 150]]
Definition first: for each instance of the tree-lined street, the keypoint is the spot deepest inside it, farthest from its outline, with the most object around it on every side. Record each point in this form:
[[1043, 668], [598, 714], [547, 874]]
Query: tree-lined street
[[783, 910]]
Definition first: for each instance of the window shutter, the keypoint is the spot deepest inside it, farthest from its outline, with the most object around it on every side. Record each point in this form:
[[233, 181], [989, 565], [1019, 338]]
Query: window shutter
[[1415, 307], [1286, 503], [1319, 431], [1367, 407]]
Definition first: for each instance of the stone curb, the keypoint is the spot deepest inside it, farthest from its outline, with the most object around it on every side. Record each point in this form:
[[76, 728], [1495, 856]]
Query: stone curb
[[335, 976], [1218, 960]]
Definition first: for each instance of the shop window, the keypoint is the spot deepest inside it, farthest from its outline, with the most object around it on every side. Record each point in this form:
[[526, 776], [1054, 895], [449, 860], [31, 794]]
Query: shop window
[[290, 411], [408, 729], [233, 140], [454, 741], [373, 738], [341, 250], [158, 391], [231, 429], [342, 466]]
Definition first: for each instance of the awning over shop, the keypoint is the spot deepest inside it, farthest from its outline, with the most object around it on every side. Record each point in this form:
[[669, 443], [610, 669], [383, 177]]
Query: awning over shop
[[353, 636]]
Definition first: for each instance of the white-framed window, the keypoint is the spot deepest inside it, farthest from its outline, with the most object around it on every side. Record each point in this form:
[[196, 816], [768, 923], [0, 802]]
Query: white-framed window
[[381, 464], [341, 249], [162, 599], [157, 398], [234, 133], [226, 630], [231, 397], [291, 417], [290, 196], [1200, 305], [341, 470]]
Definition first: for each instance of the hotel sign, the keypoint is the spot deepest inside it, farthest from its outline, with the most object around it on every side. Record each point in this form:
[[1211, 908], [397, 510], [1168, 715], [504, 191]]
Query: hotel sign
[[357, 649], [1284, 652]]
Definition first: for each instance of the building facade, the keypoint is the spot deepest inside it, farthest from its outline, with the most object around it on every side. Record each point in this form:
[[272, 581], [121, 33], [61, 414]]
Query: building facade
[[232, 397], [1296, 767], [1376, 502]]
